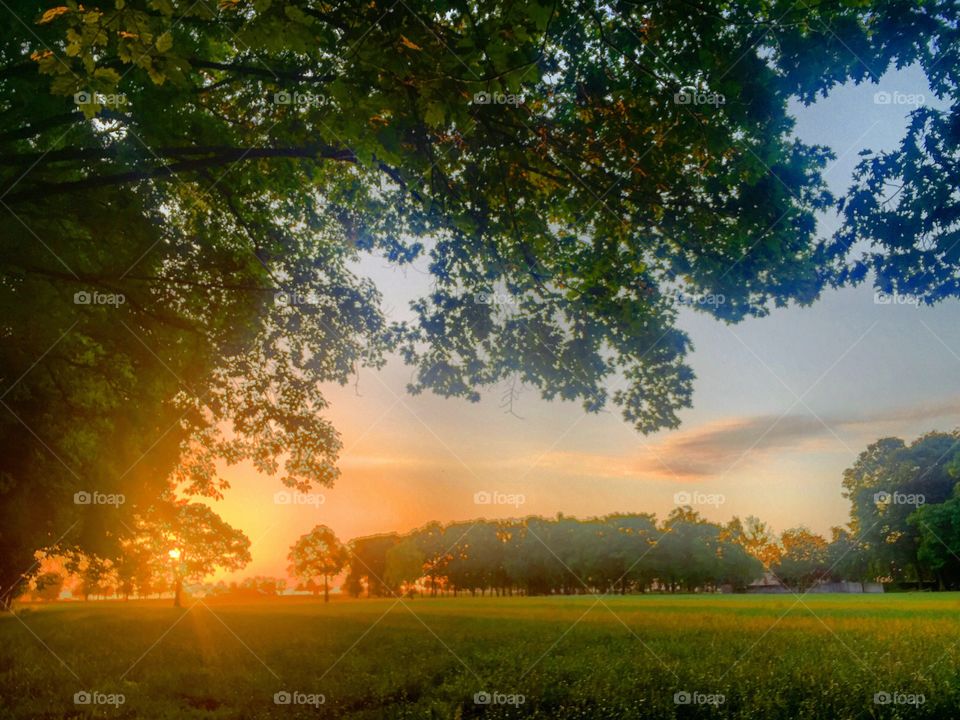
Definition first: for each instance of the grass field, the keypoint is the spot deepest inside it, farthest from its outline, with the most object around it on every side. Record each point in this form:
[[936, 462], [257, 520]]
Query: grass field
[[826, 656]]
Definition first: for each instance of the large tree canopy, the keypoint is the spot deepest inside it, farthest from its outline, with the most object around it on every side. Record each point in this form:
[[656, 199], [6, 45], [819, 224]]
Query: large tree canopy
[[888, 486], [205, 177]]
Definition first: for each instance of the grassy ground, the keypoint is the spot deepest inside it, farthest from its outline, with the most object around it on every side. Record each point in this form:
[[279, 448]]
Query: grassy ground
[[617, 657]]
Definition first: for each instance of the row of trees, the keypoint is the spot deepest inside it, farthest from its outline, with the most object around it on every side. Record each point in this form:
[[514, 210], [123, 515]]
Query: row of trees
[[618, 553], [168, 545], [55, 579], [905, 527]]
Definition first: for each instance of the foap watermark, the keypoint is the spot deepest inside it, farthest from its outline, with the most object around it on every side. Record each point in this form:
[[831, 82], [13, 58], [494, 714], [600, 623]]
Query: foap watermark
[[894, 298], [485, 697], [85, 297], [685, 697], [691, 95], [898, 498], [702, 299], [88, 97], [286, 697], [884, 97], [496, 98], [95, 697], [898, 698], [495, 298], [286, 497], [298, 98], [698, 498], [82, 497], [292, 298], [494, 497]]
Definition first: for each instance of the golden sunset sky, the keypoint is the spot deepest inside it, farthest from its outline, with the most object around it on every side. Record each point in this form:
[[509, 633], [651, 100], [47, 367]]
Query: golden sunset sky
[[782, 405]]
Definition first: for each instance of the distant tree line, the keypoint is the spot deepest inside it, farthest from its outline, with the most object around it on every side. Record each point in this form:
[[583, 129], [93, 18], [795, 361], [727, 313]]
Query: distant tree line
[[537, 556], [904, 530], [620, 553]]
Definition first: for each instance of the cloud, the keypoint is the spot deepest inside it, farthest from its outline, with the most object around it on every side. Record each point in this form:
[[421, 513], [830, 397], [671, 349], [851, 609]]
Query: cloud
[[911, 413], [716, 448]]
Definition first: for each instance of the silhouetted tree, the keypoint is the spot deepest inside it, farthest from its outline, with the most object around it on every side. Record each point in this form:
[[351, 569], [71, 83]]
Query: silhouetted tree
[[317, 555]]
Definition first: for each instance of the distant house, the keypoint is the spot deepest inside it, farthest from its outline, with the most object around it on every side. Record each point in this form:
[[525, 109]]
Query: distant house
[[769, 584]]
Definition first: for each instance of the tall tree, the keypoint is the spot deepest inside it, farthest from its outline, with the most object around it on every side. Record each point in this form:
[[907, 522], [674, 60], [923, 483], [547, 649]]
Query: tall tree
[[886, 484]]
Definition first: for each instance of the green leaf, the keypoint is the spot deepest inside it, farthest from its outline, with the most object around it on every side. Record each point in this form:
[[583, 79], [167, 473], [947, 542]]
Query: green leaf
[[164, 42]]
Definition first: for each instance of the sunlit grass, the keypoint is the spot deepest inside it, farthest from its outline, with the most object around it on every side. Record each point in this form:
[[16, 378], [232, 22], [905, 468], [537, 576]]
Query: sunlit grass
[[570, 657]]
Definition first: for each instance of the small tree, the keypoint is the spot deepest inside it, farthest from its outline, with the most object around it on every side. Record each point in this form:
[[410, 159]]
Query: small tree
[[317, 554], [94, 576], [804, 559], [49, 585], [759, 540]]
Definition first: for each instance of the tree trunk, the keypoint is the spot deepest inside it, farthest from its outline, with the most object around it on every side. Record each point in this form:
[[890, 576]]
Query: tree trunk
[[326, 590], [176, 591]]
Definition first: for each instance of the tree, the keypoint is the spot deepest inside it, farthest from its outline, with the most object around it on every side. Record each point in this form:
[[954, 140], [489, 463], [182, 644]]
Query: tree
[[317, 554], [847, 558], [804, 559], [48, 585], [901, 214], [94, 576], [637, 536], [195, 541], [433, 543], [758, 539], [561, 555], [260, 586], [687, 555], [939, 530], [404, 566], [368, 564], [886, 484], [139, 565]]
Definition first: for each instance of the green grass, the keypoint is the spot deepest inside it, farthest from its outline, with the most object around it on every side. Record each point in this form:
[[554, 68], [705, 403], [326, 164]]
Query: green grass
[[622, 657]]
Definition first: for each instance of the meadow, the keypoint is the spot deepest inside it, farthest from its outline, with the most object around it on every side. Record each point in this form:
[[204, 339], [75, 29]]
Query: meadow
[[655, 656]]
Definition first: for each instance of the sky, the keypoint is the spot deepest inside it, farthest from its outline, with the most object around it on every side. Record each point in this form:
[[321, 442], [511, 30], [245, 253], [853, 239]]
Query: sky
[[781, 406]]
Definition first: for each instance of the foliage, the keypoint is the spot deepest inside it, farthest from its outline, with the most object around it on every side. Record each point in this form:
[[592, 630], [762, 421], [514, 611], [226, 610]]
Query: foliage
[[538, 556], [886, 485], [317, 555], [188, 541], [803, 560], [48, 585], [939, 530]]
